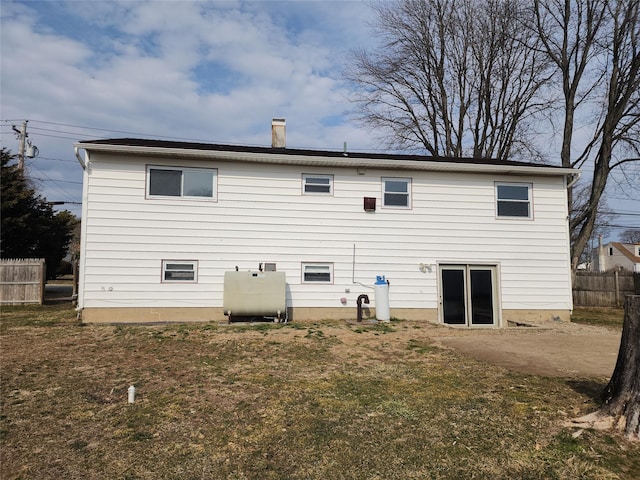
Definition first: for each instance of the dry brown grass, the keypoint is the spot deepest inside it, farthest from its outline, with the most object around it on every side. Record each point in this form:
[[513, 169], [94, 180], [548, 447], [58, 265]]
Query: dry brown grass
[[330, 401], [601, 316]]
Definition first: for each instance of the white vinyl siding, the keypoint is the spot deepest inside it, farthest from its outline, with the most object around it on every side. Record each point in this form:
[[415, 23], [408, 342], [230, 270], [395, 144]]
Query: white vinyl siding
[[260, 214]]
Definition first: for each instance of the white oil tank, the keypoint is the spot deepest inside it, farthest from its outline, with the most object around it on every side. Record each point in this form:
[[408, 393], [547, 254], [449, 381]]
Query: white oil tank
[[255, 294], [382, 299]]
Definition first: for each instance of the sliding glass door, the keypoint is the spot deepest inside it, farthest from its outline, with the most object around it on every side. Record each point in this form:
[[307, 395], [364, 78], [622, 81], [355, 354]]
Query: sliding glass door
[[468, 295]]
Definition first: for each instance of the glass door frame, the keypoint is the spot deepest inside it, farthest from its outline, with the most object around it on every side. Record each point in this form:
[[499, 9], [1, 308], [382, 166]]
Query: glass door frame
[[467, 268]]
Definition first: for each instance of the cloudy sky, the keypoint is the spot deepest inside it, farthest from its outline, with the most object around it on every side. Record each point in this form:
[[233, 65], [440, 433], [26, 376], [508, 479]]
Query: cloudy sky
[[208, 71]]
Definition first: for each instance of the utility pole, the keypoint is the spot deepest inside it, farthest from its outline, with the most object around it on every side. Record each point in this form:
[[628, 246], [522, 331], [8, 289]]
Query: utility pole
[[22, 138], [25, 147]]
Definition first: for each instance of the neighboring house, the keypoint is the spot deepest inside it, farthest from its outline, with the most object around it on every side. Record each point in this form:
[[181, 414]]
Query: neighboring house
[[462, 241], [617, 256]]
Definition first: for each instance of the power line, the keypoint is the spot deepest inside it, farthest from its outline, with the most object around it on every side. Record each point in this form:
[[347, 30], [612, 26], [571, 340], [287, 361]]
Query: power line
[[57, 159], [632, 214], [88, 128], [59, 136], [116, 131], [60, 131], [55, 182], [623, 199], [49, 179], [149, 135], [617, 226]]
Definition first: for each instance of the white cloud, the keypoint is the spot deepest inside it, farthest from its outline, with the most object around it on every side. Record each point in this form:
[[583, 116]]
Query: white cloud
[[212, 71]]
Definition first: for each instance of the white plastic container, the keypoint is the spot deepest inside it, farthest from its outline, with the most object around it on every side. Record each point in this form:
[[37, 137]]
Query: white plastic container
[[382, 299], [131, 394]]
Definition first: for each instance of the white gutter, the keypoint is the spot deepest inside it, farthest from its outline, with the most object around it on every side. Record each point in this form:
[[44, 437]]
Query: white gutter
[[323, 161]]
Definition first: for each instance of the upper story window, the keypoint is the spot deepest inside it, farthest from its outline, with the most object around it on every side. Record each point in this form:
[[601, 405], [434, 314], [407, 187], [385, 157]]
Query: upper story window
[[396, 192], [513, 200], [182, 182], [317, 184]]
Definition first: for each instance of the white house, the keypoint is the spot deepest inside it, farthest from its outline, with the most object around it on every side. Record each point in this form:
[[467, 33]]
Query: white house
[[616, 255], [461, 241]]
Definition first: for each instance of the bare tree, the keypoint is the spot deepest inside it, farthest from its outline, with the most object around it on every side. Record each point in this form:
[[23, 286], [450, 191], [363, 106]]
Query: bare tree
[[630, 236], [453, 78], [468, 78], [595, 45]]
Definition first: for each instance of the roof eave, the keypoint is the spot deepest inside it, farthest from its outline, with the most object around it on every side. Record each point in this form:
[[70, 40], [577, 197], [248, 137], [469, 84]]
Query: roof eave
[[322, 161]]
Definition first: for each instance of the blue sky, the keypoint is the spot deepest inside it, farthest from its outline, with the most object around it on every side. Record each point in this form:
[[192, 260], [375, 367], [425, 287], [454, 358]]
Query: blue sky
[[209, 71]]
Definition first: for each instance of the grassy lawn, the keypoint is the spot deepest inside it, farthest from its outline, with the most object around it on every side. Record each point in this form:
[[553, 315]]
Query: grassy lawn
[[297, 401], [600, 316]]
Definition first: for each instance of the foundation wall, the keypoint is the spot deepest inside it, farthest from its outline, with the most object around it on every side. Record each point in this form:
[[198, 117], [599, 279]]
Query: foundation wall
[[152, 315], [535, 316], [188, 315]]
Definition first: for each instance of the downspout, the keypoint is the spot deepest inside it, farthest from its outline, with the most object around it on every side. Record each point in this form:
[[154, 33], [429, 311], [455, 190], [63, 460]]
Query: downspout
[[576, 177], [80, 160], [570, 182], [83, 233]]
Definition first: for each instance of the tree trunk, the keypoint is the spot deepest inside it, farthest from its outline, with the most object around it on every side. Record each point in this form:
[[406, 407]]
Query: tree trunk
[[621, 398]]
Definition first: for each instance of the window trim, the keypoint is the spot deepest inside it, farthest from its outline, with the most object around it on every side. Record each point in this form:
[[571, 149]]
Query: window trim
[[304, 265], [194, 265], [317, 175], [409, 181], [214, 186], [529, 200]]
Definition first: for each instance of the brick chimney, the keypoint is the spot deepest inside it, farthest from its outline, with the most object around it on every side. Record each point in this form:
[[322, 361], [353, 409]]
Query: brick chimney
[[278, 133]]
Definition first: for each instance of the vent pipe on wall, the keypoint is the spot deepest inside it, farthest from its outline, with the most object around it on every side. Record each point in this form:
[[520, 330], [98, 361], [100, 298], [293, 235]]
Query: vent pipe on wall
[[278, 133]]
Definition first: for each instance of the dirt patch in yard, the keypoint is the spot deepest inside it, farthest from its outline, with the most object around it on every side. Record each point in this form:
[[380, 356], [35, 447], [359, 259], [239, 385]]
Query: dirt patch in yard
[[556, 354], [554, 349]]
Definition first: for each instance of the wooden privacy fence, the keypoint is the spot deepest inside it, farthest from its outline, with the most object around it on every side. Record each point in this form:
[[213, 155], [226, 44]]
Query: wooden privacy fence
[[608, 289], [22, 280]]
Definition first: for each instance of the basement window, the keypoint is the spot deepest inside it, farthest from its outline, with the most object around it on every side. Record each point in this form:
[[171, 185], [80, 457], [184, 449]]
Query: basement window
[[513, 200], [317, 273], [178, 271], [317, 184], [182, 182]]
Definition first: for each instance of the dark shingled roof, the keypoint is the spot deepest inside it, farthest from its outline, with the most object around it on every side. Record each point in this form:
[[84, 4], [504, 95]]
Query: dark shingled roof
[[140, 142]]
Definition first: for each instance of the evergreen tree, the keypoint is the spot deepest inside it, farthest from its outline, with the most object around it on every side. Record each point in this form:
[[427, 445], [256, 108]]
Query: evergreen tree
[[30, 228]]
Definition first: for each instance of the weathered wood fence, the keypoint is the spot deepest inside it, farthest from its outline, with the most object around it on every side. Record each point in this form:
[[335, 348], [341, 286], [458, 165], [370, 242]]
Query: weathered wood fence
[[22, 280], [608, 289]]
